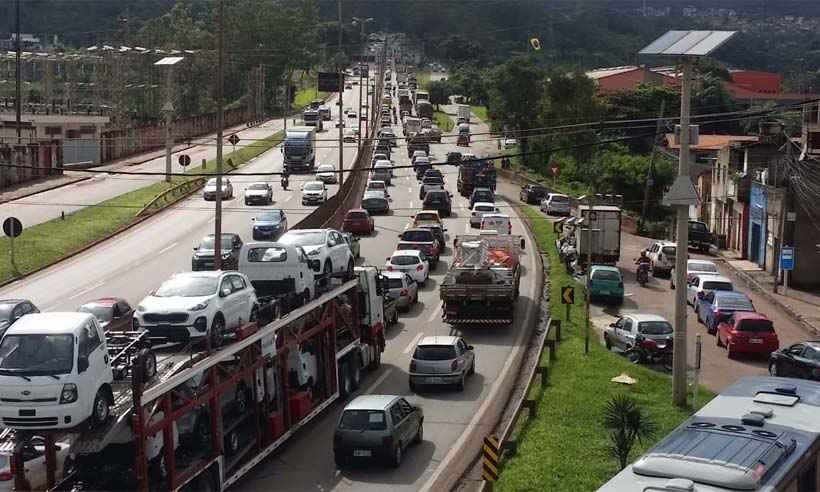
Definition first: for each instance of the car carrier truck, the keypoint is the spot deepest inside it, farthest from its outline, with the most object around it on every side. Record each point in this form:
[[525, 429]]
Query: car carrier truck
[[202, 419], [482, 283]]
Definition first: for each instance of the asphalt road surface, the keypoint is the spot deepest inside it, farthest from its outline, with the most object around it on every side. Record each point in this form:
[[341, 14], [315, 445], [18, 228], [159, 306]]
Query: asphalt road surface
[[306, 463], [42, 207]]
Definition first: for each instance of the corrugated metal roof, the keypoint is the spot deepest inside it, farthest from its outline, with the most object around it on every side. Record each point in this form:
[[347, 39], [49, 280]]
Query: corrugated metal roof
[[600, 73], [687, 43], [711, 142]]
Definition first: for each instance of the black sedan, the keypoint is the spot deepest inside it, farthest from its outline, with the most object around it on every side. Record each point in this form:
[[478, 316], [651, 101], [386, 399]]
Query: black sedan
[[801, 360], [203, 257]]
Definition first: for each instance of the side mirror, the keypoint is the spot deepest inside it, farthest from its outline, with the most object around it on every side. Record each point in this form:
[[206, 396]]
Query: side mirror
[[253, 219], [82, 364], [387, 259], [469, 347], [225, 292]]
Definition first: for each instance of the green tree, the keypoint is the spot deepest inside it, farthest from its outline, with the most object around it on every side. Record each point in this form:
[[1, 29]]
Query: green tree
[[439, 92], [514, 89]]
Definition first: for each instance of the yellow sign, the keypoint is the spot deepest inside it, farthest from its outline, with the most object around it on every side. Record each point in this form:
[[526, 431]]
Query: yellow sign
[[536, 44], [567, 295]]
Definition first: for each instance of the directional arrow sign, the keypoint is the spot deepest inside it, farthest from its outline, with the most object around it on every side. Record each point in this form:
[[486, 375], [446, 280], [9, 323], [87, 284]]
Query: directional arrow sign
[[567, 295], [233, 139]]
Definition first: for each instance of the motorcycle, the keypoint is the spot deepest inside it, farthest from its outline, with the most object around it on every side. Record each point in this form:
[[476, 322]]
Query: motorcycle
[[643, 273], [647, 351], [284, 183]]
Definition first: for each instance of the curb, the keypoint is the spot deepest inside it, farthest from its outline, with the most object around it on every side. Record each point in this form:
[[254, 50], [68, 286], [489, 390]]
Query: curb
[[114, 233], [755, 285], [453, 469]]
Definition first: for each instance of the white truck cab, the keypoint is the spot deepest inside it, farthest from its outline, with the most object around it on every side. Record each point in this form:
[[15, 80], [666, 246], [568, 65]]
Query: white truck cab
[[278, 268], [54, 372]]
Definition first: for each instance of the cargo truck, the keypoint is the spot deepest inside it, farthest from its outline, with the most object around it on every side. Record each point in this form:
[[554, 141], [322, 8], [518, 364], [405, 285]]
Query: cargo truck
[[313, 117], [424, 109], [204, 419], [405, 101], [463, 114], [299, 149], [482, 284], [598, 237], [475, 173]]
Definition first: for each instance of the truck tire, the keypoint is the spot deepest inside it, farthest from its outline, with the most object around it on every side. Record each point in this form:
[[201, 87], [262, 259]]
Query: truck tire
[[101, 409], [149, 368]]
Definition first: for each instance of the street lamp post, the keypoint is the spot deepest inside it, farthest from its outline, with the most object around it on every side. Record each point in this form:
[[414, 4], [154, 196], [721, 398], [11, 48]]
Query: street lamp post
[[687, 45], [220, 123], [168, 109]]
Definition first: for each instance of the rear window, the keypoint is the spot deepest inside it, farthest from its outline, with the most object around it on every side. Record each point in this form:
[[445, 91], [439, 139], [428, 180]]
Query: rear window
[[734, 303], [435, 352], [655, 328], [357, 215], [484, 208], [606, 275], [417, 236], [394, 283], [702, 267], [669, 250], [717, 286], [362, 420], [404, 260], [697, 226], [559, 199], [755, 325]]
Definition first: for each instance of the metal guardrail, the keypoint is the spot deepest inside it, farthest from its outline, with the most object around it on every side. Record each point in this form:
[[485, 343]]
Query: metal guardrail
[[173, 194], [506, 443]]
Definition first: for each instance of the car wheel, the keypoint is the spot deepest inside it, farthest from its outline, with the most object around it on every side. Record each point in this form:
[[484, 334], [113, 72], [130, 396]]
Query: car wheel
[[671, 285], [254, 316], [718, 342], [149, 368], [340, 459], [413, 386], [607, 343], [345, 386], [349, 273], [247, 202], [395, 460], [773, 369], [697, 314], [217, 327], [232, 443], [730, 354], [202, 433], [472, 368], [419, 437], [101, 409], [327, 271], [460, 384]]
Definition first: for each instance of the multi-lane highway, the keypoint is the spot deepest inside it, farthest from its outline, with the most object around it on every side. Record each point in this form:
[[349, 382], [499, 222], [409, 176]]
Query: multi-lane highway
[[306, 463], [102, 185]]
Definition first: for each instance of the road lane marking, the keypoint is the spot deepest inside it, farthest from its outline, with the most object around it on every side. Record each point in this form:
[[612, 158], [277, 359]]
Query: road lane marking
[[413, 343], [167, 248], [89, 289], [435, 313], [378, 381]]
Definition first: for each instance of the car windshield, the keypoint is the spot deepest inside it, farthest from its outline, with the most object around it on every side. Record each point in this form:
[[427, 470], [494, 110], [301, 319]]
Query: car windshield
[[702, 267], [5, 311], [258, 186], [483, 195], [717, 286], [362, 420], [697, 226], [267, 255], [376, 185], [212, 182], [755, 325], [271, 216], [606, 275], [559, 199], [404, 260], [103, 313], [655, 328], [188, 286], [304, 238], [208, 242], [36, 354], [734, 303], [395, 283], [426, 216], [434, 197], [314, 186], [435, 352], [325, 169], [669, 250], [417, 236]]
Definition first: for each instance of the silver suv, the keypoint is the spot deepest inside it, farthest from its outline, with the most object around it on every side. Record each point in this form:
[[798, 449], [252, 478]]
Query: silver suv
[[377, 426], [441, 360]]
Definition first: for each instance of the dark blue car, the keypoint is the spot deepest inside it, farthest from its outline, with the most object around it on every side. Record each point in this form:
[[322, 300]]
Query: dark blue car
[[717, 305], [269, 225]]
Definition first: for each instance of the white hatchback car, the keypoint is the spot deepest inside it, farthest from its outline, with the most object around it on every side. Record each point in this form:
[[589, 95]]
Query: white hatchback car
[[501, 223], [195, 304], [326, 245], [694, 267], [662, 257], [705, 282], [314, 193], [326, 173], [411, 262], [555, 204], [480, 209]]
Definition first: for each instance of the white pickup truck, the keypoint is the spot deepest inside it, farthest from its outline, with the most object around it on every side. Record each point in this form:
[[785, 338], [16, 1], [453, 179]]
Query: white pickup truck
[[282, 275]]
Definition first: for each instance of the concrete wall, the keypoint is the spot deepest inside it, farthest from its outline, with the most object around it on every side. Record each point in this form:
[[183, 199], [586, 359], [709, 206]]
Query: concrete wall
[[805, 239], [39, 160]]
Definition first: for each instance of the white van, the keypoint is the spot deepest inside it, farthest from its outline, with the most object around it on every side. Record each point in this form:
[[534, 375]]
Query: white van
[[54, 372], [501, 223]]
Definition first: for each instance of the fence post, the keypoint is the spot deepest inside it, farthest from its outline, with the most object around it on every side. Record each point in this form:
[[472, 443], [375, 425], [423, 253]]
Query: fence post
[[204, 163]]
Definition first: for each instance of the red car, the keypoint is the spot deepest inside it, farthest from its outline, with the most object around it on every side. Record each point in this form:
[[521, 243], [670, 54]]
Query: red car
[[746, 332], [358, 221]]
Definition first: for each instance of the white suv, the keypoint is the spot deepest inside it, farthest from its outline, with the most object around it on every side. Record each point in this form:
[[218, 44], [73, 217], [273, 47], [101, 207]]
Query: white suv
[[326, 245], [196, 304], [662, 257]]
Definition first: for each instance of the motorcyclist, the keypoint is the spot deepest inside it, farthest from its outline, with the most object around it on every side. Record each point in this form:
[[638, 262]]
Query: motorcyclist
[[642, 260], [285, 180]]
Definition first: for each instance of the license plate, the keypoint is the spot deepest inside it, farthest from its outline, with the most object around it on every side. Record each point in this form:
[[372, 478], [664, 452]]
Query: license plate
[[755, 340], [435, 380], [604, 292], [362, 452]]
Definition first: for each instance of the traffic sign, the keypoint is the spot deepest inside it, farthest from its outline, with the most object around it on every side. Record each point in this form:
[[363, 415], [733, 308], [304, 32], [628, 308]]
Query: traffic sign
[[12, 227], [492, 455], [786, 258], [184, 160], [567, 295], [233, 139]]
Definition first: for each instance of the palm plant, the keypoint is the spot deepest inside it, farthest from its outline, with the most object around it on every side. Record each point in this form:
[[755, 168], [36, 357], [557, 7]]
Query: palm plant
[[628, 423]]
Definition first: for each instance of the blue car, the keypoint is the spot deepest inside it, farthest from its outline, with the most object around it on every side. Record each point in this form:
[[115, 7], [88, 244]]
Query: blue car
[[717, 305], [607, 283]]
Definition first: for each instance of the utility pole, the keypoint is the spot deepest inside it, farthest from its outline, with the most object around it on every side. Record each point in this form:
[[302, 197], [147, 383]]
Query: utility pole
[[341, 92], [286, 105], [220, 122], [168, 109], [18, 107], [361, 101], [650, 179]]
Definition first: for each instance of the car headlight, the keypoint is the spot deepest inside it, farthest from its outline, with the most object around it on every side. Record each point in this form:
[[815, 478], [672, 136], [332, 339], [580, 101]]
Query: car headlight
[[69, 393], [200, 306], [141, 308], [314, 252], [225, 256]]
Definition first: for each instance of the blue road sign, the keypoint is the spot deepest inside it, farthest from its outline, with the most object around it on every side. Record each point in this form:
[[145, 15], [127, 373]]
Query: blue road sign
[[787, 258]]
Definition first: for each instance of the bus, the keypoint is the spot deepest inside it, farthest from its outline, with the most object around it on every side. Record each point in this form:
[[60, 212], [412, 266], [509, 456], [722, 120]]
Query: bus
[[761, 434]]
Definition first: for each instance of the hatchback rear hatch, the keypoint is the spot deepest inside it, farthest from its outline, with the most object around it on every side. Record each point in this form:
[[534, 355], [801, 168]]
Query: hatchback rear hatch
[[434, 359]]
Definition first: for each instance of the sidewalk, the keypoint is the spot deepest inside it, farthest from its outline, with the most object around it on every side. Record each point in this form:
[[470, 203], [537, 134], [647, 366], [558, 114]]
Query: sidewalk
[[803, 307]]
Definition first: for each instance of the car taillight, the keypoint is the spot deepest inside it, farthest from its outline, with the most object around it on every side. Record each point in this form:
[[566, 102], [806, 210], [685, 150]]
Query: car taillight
[[420, 268], [649, 344], [454, 365], [403, 292], [717, 313], [389, 268]]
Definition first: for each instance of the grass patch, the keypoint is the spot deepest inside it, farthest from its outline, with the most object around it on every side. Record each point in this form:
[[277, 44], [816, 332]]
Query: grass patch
[[443, 120], [304, 96], [46, 243], [481, 113], [564, 448]]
